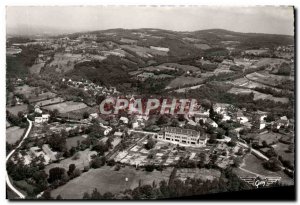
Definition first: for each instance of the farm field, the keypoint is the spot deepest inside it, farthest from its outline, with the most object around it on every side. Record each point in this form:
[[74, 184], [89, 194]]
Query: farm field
[[66, 106], [281, 149], [105, 179], [203, 173], [13, 134], [18, 108], [65, 62], [50, 101], [78, 114], [257, 95], [202, 46], [143, 51], [270, 138], [43, 96], [36, 68], [184, 81], [181, 67], [80, 159], [73, 141], [25, 90], [270, 79]]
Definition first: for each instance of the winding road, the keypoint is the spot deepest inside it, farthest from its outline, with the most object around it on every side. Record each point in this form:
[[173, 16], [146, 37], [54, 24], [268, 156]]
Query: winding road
[[10, 154]]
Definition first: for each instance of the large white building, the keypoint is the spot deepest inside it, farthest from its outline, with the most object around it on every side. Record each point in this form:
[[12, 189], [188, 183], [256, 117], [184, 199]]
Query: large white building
[[186, 137]]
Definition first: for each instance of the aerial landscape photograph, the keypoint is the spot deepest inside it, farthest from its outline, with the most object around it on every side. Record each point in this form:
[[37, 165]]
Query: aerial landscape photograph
[[149, 103]]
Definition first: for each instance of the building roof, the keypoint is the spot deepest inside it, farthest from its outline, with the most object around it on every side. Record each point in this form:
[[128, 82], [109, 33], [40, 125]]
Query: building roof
[[178, 130]]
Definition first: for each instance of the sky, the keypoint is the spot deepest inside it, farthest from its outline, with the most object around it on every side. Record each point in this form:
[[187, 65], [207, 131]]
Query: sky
[[274, 20]]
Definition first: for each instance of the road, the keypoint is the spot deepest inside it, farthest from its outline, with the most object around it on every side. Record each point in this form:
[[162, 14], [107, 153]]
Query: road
[[254, 151], [10, 154]]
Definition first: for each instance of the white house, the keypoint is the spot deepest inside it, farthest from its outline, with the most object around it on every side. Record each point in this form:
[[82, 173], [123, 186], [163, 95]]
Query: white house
[[37, 109], [93, 116], [42, 119], [124, 120], [185, 137]]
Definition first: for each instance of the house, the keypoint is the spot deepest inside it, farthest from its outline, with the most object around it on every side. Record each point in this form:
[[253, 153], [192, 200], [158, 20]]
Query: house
[[185, 137], [211, 122], [241, 118], [124, 120], [105, 129], [262, 121], [118, 134], [282, 122], [37, 109], [201, 116], [93, 116], [42, 119]]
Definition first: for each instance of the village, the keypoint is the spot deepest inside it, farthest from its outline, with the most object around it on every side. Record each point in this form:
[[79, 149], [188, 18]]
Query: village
[[54, 119]]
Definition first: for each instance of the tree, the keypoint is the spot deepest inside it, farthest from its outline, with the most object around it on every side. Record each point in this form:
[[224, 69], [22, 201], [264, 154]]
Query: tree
[[56, 174], [273, 164], [72, 167], [149, 167], [98, 162], [85, 115], [150, 144], [46, 195], [237, 161]]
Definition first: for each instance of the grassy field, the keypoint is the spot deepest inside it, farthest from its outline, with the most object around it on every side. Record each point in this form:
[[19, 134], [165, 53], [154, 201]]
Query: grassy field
[[184, 81], [18, 108], [281, 149], [41, 96], [64, 62], [202, 46], [26, 90], [181, 67], [72, 141], [13, 134], [254, 164], [66, 106], [204, 174], [105, 179], [81, 159], [36, 68]]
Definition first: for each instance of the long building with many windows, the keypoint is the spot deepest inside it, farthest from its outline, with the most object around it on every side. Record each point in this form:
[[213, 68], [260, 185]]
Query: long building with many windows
[[181, 136]]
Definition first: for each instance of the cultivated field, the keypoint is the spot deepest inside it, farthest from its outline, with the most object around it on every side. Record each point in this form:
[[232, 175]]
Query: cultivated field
[[13, 134], [268, 79], [143, 51], [258, 95], [105, 179], [50, 101], [66, 106]]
